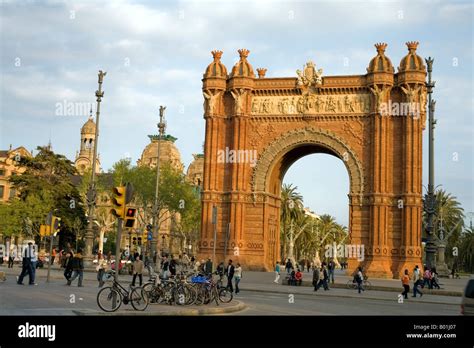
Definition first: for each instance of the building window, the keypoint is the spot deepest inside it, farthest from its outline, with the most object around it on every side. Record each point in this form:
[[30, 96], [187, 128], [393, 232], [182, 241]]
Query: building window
[[2, 172], [2, 189]]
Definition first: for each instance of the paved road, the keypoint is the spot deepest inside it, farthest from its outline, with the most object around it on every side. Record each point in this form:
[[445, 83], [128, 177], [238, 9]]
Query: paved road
[[55, 298], [259, 303]]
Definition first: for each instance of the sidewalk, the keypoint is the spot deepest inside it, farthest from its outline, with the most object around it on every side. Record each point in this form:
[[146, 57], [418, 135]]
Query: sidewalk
[[166, 310]]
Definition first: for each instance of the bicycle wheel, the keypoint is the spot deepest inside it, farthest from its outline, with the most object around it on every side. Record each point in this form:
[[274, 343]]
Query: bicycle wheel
[[192, 294], [109, 299], [351, 284], [180, 295], [200, 291], [139, 299], [367, 285], [225, 295]]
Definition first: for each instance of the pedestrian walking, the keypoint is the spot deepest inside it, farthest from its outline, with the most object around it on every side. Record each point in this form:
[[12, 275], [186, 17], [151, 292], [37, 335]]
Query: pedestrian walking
[[172, 266], [426, 277], [359, 278], [237, 277], [331, 268], [77, 268], [68, 265], [138, 266], [165, 267], [185, 261], [27, 267], [277, 272], [220, 271], [325, 277], [288, 266], [208, 266], [434, 279], [406, 284], [11, 257], [417, 281], [316, 273], [102, 267], [230, 274]]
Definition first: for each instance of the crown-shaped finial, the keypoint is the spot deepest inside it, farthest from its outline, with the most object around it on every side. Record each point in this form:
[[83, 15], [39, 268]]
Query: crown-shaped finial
[[244, 53], [216, 54], [261, 72], [412, 45], [381, 46]]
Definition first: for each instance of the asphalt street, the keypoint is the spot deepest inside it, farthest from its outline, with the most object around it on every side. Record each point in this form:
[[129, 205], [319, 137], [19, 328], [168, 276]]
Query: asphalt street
[[56, 298]]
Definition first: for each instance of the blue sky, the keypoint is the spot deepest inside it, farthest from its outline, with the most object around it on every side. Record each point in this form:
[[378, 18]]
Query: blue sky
[[155, 54]]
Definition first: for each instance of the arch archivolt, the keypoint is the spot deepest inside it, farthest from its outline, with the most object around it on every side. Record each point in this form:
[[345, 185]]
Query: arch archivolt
[[302, 137]]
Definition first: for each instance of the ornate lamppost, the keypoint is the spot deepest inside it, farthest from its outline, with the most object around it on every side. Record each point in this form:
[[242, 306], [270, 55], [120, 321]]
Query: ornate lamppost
[[91, 193], [430, 199], [156, 210]]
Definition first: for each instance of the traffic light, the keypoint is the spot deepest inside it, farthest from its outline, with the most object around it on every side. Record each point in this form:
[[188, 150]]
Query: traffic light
[[118, 202], [130, 217], [45, 230], [55, 224]]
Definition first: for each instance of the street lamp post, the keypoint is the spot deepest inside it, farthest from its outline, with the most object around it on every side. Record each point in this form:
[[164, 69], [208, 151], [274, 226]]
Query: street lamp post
[[91, 194], [161, 130], [430, 199]]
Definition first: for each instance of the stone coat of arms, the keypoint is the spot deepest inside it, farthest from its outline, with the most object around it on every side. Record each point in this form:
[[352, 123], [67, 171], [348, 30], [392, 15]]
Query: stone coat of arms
[[309, 76]]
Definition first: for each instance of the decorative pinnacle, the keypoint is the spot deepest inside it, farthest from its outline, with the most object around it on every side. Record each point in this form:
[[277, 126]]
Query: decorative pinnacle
[[244, 53], [261, 72], [381, 47], [412, 45], [216, 54], [429, 62]]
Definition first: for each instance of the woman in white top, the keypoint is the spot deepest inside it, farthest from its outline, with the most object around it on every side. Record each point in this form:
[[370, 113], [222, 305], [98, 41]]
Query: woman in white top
[[237, 277]]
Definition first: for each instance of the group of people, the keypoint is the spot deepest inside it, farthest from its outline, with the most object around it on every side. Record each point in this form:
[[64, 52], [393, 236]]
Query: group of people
[[295, 277], [233, 273], [429, 277]]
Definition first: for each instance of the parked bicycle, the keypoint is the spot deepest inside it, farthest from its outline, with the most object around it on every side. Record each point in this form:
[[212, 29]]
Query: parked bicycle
[[110, 298]]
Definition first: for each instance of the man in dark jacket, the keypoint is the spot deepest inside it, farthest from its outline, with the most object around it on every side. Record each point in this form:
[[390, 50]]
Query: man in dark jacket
[[27, 266], [77, 267], [230, 274], [68, 266], [208, 266]]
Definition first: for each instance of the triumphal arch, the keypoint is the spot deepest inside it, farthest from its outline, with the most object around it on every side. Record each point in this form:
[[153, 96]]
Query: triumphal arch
[[257, 127]]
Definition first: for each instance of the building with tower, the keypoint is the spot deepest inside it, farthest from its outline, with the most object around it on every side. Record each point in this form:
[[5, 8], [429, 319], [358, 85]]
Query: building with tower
[[86, 151]]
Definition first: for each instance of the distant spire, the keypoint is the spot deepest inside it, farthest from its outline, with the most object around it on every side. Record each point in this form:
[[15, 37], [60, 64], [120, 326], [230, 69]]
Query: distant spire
[[90, 114], [49, 142]]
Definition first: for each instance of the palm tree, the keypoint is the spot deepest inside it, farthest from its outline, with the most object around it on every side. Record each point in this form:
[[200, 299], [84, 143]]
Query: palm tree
[[291, 210], [466, 250]]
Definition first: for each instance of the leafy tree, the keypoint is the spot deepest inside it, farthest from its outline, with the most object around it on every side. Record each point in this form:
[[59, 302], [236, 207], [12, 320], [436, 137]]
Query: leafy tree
[[46, 185], [177, 198], [466, 250]]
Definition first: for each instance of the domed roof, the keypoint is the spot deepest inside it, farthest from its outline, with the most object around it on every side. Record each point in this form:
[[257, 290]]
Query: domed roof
[[242, 68], [411, 61], [380, 63], [216, 68], [88, 127]]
